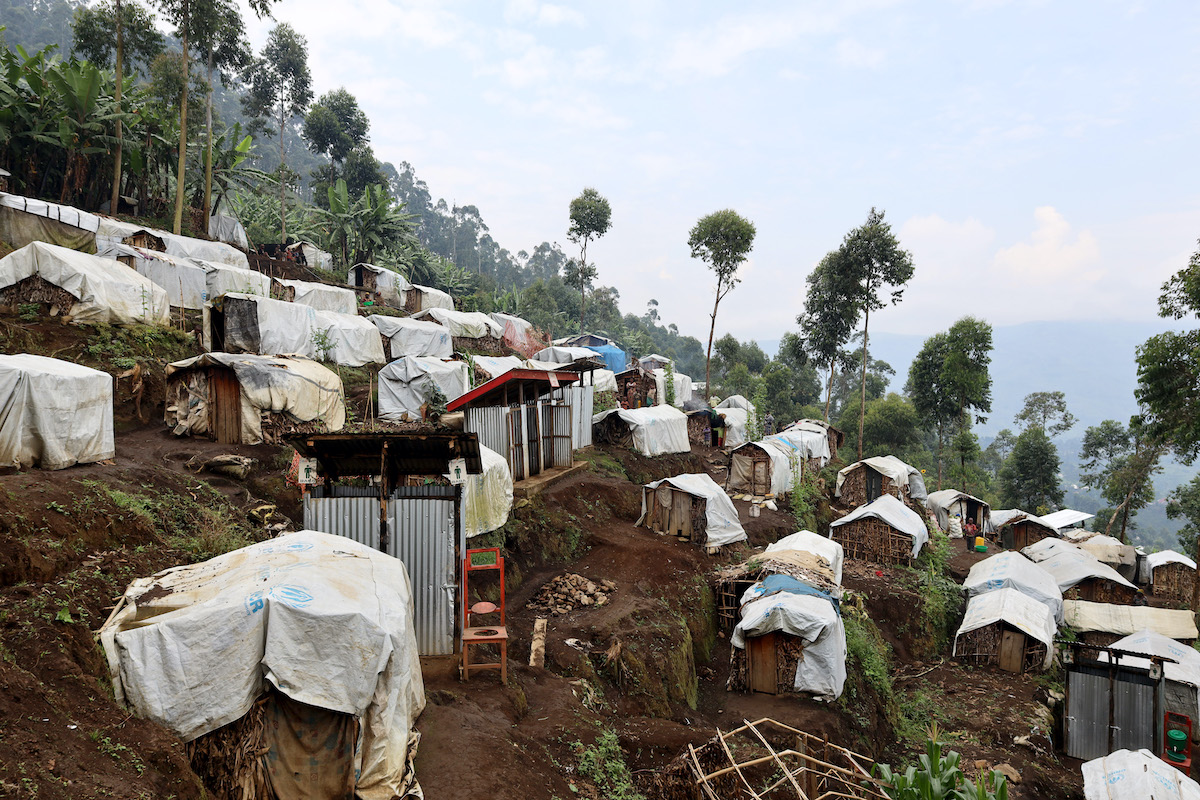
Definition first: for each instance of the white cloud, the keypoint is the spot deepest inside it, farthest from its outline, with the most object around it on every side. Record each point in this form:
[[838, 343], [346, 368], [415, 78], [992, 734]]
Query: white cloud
[[1053, 256], [852, 53]]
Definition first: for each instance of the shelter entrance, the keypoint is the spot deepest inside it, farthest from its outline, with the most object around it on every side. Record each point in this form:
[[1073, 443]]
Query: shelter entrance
[[761, 664], [225, 406], [874, 484]]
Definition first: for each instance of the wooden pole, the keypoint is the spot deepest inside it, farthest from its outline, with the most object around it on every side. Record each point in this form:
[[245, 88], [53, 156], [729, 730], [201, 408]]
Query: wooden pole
[[537, 653]]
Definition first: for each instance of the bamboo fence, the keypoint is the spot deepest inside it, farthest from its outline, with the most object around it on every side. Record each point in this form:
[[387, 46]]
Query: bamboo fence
[[1102, 590], [982, 647], [36, 289], [873, 540], [1174, 582]]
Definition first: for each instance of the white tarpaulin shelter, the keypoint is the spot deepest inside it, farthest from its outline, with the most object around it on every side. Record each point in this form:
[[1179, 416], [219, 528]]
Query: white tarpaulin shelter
[[225, 228], [683, 387], [518, 333], [430, 298], [24, 220], [355, 340], [224, 279], [1182, 671], [414, 337], [656, 430], [1070, 567], [1009, 606], [565, 355], [722, 525], [1012, 570], [258, 324], [53, 413], [321, 618], [890, 510], [735, 426], [487, 497], [1066, 518], [313, 255], [298, 388], [653, 361], [463, 324], [736, 401], [1041, 550], [321, 296], [810, 542], [822, 667], [1110, 550], [950, 503], [390, 285], [187, 247], [1168, 557], [495, 366], [1136, 775], [185, 282], [1124, 620], [406, 384], [787, 451], [900, 474], [105, 291]]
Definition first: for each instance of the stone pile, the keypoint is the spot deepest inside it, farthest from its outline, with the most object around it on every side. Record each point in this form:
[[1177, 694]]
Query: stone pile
[[569, 591]]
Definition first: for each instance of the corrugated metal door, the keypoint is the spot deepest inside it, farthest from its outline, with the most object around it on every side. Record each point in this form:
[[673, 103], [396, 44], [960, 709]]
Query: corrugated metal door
[[355, 518], [1134, 717], [548, 429], [422, 533], [1130, 697], [224, 406], [533, 439], [516, 445], [562, 434], [1087, 715]]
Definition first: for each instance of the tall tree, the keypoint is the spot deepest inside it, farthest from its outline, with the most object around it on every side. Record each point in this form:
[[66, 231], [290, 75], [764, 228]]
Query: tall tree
[[723, 240], [335, 126], [878, 268], [1029, 477], [1184, 503], [279, 78], [591, 217], [1046, 410], [935, 405], [179, 12], [830, 316]]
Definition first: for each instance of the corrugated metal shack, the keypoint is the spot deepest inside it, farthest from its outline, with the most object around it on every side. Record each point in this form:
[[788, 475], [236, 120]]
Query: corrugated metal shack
[[527, 416], [362, 498]]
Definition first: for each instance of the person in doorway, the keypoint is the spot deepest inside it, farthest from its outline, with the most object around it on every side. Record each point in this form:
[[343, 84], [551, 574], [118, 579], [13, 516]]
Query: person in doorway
[[651, 396], [716, 422]]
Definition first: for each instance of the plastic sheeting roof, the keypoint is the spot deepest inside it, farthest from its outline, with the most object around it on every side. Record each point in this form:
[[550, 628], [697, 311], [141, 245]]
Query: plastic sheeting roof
[[1110, 550], [1071, 567], [900, 473], [407, 383], [722, 524], [1019, 610], [822, 670], [683, 387], [736, 401], [563, 355], [414, 337], [1065, 518], [464, 324], [322, 618], [1168, 557], [434, 298], [614, 357], [355, 340], [53, 413], [1125, 620], [657, 430], [68, 215], [322, 297], [941, 502], [894, 513], [185, 282], [810, 542], [1045, 548], [107, 291], [388, 282], [1186, 666], [225, 279], [1136, 775], [495, 366], [1012, 570]]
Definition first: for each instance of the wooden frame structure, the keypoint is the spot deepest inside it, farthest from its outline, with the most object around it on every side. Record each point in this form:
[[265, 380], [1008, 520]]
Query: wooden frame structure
[[684, 515], [1022, 533], [768, 760], [1101, 590], [871, 539], [760, 467], [1003, 646], [767, 665], [1175, 582]]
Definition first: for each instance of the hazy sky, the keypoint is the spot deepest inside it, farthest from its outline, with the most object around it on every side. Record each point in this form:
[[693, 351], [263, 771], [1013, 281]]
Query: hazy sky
[[1039, 159]]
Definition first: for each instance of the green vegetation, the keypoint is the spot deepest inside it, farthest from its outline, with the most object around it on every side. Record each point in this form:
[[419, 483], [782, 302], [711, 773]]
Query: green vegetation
[[939, 777], [941, 595], [603, 763]]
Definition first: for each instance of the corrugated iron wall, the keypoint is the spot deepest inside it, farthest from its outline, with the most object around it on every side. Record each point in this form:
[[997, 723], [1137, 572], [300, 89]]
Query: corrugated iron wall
[[581, 400], [1135, 713], [355, 518], [489, 424]]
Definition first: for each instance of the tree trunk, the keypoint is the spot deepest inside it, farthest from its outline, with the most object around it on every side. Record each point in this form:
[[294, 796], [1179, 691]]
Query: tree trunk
[[282, 182], [1196, 583], [206, 203], [1124, 524], [862, 408], [708, 357], [582, 282], [940, 436], [829, 388], [115, 202], [181, 173]]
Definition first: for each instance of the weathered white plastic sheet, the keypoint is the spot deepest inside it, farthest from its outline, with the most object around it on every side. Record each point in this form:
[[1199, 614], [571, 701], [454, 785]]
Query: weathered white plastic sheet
[[298, 387], [900, 473], [322, 296], [463, 324], [805, 442], [224, 279], [414, 337], [1066, 518], [1168, 557], [407, 383], [736, 401], [225, 228], [895, 513], [1136, 775], [822, 670], [1069, 567], [948, 503], [1014, 571], [433, 298], [53, 413], [1125, 620], [1045, 548], [68, 215], [564, 355], [322, 618], [355, 340], [281, 328], [1109, 549], [722, 526], [786, 466], [389, 283], [605, 380], [735, 426], [653, 361], [811, 542], [185, 283], [518, 333], [107, 291], [495, 366], [1019, 610], [683, 387], [1183, 667], [488, 497], [313, 255], [657, 430], [110, 231]]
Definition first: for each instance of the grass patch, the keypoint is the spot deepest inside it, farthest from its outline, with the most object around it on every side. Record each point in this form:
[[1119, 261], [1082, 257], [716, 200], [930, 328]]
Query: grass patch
[[602, 463], [603, 763]]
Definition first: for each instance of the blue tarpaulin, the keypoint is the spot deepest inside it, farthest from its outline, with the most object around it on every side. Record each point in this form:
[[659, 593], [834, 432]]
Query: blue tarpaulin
[[773, 584], [614, 357]]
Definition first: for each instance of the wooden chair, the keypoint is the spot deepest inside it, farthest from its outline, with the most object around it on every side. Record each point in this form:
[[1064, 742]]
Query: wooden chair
[[478, 561]]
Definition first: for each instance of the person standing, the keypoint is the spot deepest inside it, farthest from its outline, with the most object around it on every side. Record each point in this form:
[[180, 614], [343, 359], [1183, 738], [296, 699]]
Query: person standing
[[769, 424]]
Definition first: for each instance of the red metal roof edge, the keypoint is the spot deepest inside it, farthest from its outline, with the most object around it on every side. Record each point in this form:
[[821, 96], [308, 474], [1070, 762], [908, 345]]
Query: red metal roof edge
[[512, 374]]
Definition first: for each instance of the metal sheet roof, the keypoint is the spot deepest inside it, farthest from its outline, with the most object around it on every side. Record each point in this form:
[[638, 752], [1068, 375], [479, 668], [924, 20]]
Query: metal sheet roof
[[402, 453], [492, 392]]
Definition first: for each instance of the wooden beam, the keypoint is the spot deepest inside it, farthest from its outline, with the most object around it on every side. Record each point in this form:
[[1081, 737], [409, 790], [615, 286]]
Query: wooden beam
[[537, 652]]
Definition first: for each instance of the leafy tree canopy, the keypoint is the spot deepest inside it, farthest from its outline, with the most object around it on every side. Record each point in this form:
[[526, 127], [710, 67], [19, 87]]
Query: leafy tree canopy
[[1047, 411], [1029, 477]]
